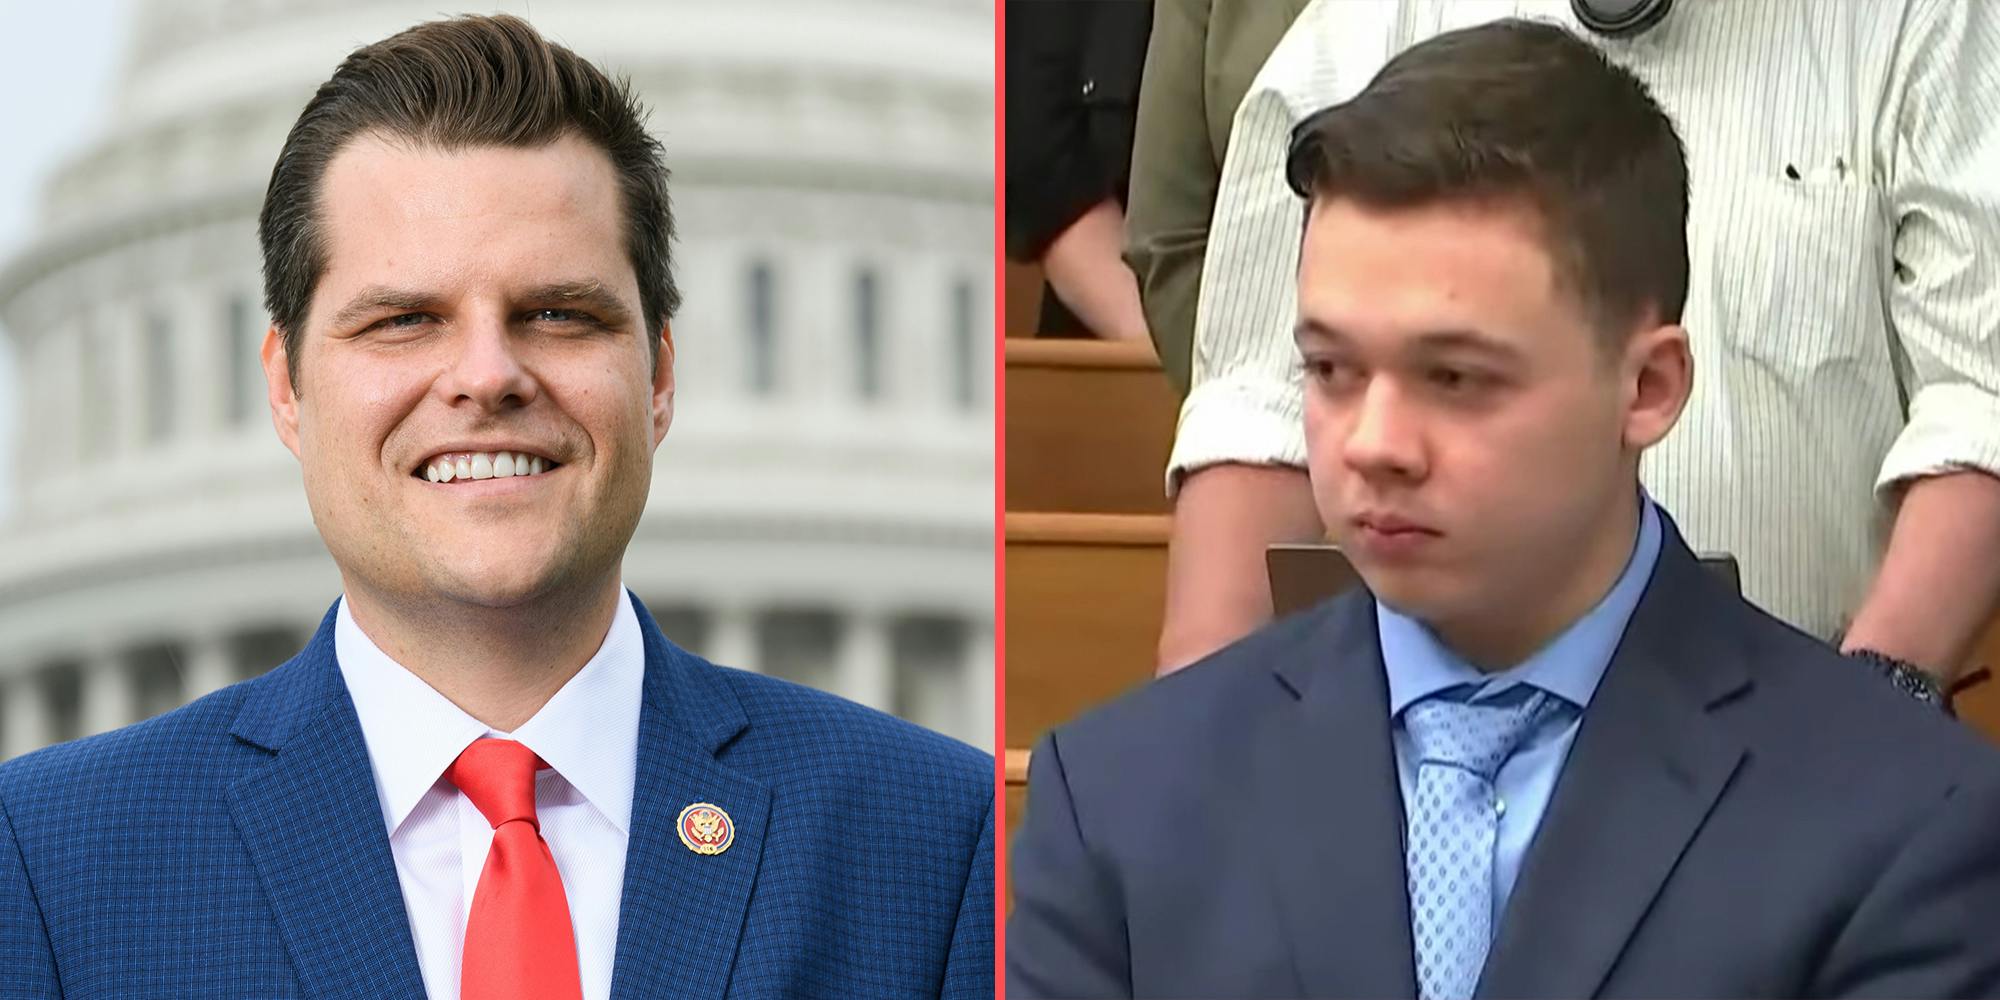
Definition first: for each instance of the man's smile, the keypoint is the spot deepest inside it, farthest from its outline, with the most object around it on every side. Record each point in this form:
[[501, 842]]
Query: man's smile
[[460, 466]]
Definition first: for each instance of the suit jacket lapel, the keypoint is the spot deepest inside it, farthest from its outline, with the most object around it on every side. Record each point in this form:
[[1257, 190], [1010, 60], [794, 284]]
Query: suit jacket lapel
[[312, 824], [682, 913], [1648, 764], [1322, 787]]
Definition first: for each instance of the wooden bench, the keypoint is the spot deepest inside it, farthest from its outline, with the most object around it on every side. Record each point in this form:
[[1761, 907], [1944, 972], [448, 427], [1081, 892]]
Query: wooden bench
[[1089, 426], [1084, 598]]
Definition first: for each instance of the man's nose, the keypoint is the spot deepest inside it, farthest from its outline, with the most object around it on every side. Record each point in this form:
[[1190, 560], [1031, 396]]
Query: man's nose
[[487, 367], [1384, 437]]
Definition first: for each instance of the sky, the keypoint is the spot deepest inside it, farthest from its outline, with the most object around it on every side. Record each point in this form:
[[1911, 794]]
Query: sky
[[55, 94]]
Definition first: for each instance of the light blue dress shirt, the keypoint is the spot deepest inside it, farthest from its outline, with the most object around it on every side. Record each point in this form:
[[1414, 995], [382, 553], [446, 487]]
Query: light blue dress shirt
[[1569, 667]]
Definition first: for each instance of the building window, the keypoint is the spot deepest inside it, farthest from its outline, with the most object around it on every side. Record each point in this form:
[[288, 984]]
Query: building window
[[241, 363], [931, 687], [257, 650], [868, 334], [685, 625], [763, 370], [799, 646], [62, 697], [156, 680], [965, 346], [99, 399], [159, 378]]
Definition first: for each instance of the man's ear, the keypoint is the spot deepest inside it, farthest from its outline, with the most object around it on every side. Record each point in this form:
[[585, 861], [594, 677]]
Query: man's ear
[[663, 385], [1658, 377], [278, 384]]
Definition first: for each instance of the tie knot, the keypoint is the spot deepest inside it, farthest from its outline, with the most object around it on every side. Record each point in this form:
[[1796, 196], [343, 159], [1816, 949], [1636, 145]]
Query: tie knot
[[499, 777], [1476, 736]]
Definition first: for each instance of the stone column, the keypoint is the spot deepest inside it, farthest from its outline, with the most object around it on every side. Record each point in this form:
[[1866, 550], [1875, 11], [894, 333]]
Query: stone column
[[864, 667], [732, 637], [108, 695]]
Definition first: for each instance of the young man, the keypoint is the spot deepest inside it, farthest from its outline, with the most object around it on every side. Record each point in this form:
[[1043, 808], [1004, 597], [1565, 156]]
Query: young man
[[489, 775], [1543, 753], [1844, 442]]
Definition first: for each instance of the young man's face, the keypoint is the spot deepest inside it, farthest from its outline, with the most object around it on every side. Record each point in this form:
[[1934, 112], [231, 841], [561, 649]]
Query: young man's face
[[1468, 436], [474, 302]]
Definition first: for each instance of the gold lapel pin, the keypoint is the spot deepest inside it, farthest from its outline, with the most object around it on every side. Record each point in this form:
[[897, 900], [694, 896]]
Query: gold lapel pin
[[705, 828]]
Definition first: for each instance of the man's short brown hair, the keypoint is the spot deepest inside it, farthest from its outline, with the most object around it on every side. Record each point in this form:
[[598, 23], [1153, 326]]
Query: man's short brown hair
[[455, 84], [1521, 111]]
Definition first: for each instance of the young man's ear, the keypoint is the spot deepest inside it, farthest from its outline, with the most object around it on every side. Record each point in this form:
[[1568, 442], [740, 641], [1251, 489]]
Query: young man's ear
[[1658, 376], [283, 395], [663, 385]]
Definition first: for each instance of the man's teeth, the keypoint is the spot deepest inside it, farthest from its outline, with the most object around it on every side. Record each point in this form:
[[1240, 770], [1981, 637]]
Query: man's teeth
[[485, 465]]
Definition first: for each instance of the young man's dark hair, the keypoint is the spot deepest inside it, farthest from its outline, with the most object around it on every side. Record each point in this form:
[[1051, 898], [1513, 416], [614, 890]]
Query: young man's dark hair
[[449, 85], [1521, 110]]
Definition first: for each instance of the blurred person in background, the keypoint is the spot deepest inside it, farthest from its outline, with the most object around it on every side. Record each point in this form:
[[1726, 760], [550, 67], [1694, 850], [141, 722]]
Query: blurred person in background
[[489, 774], [1542, 752], [1072, 88], [1199, 64], [1844, 441]]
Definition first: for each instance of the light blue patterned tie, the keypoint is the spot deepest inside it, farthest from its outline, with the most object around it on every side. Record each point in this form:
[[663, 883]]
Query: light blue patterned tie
[[1454, 822]]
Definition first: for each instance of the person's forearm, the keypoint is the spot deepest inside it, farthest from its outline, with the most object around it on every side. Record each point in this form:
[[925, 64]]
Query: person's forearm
[[1940, 579], [1218, 589], [1084, 267]]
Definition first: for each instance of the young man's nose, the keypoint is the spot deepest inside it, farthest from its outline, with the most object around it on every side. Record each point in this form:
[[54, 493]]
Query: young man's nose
[[1384, 435]]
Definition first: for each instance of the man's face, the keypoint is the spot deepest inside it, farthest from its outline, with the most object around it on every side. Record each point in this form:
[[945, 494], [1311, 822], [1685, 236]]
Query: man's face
[[474, 302], [1466, 434]]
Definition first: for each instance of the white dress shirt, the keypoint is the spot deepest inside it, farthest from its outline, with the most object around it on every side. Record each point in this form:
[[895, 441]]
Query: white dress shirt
[[1845, 324], [588, 734]]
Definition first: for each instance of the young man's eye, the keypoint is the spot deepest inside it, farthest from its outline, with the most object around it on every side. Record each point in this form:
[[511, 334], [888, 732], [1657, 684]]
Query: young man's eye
[[558, 316], [1456, 379], [1328, 372]]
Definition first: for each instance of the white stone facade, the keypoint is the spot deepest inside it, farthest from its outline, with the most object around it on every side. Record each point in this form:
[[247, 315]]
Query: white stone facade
[[812, 515]]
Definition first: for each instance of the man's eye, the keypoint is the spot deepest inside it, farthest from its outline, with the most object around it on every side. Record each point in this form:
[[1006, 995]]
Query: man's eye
[[1327, 371], [1454, 379], [402, 321], [557, 316]]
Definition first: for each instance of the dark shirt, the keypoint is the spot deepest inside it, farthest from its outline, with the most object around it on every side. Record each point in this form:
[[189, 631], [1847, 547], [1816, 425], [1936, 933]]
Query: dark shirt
[[1073, 71]]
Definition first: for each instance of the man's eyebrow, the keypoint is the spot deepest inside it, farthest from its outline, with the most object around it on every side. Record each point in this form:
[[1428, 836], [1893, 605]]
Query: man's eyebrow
[[381, 298], [1468, 340], [1312, 329], [588, 292]]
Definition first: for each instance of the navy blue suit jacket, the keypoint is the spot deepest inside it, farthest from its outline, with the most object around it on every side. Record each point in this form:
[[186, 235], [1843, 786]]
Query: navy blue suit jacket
[[235, 848], [1743, 813]]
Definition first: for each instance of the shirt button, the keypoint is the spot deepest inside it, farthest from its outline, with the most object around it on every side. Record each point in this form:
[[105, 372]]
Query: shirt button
[[1089, 87], [1499, 807]]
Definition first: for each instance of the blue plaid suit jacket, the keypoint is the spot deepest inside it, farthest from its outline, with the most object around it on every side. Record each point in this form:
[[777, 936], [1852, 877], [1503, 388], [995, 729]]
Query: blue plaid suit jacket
[[235, 848]]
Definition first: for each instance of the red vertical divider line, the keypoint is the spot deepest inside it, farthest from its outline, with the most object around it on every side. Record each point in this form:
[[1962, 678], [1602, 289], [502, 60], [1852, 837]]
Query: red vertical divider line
[[999, 498]]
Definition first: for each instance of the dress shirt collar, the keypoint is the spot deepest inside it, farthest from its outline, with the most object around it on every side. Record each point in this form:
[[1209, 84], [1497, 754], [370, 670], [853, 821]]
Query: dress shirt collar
[[588, 732], [1569, 667]]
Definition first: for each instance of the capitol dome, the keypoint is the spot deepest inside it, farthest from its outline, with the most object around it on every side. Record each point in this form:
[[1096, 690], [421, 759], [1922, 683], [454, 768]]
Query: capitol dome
[[823, 507]]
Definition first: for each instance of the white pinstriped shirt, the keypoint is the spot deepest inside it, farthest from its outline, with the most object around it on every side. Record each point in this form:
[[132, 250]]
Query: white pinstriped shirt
[[1845, 325], [588, 734]]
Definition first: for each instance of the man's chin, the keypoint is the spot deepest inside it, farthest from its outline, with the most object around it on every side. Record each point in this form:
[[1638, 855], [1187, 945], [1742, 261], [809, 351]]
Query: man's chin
[[1410, 593], [496, 587]]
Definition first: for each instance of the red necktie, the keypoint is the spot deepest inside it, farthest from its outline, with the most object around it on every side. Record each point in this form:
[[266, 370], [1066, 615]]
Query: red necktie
[[518, 939]]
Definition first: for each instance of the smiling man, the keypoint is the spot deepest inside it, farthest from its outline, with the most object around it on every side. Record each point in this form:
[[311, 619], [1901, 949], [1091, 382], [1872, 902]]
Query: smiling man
[[489, 775], [1542, 752]]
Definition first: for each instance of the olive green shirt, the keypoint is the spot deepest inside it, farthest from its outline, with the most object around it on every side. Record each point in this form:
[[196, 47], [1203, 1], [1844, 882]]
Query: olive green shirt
[[1200, 62]]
